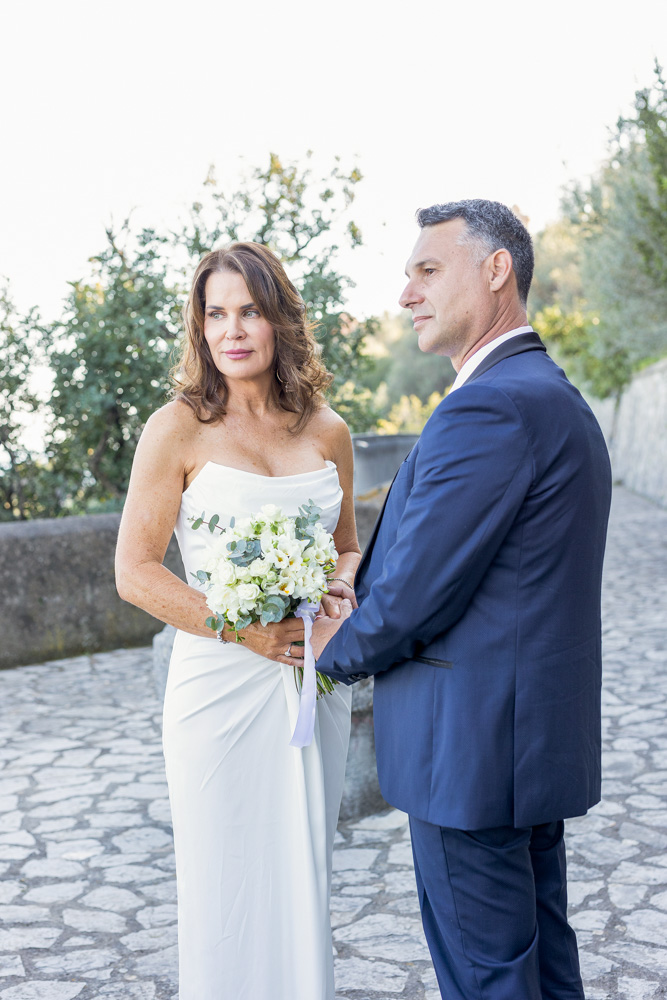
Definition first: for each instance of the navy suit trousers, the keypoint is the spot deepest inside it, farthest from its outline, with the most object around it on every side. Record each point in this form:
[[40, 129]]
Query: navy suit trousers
[[494, 909]]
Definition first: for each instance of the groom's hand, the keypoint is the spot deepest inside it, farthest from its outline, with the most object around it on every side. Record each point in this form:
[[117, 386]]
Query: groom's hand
[[325, 628]]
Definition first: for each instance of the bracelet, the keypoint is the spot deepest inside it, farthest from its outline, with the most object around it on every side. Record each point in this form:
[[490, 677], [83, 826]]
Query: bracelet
[[219, 636], [339, 579]]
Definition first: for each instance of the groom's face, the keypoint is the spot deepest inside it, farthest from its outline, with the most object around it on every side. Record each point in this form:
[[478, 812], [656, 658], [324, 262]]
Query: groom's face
[[447, 291]]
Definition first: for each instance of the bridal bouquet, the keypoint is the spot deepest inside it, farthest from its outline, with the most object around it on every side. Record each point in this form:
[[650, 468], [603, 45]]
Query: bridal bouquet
[[267, 567]]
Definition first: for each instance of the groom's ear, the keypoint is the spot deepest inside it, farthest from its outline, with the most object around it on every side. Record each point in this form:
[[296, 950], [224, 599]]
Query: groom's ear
[[500, 269]]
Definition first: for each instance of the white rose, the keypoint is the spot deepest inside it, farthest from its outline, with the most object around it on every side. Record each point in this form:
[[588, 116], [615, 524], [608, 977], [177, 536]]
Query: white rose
[[271, 512], [248, 593], [224, 573], [222, 599], [214, 598], [258, 567]]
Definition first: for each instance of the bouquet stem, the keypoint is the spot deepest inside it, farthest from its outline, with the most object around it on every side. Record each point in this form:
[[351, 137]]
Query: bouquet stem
[[325, 685]]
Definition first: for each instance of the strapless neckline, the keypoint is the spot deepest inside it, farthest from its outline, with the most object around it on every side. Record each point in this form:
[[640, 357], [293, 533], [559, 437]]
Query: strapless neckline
[[329, 466]]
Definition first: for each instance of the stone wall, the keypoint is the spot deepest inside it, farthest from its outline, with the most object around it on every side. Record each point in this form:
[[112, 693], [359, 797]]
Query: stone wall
[[58, 591], [636, 432]]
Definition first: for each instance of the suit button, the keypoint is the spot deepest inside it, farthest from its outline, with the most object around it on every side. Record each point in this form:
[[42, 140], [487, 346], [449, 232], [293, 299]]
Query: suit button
[[358, 677]]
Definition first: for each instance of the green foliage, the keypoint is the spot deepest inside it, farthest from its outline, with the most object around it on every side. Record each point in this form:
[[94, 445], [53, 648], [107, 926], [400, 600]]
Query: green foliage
[[28, 487], [409, 414], [111, 353], [110, 367], [600, 289], [648, 127], [557, 275], [274, 609], [415, 372], [574, 341], [403, 379], [304, 524], [618, 288], [304, 219], [245, 551]]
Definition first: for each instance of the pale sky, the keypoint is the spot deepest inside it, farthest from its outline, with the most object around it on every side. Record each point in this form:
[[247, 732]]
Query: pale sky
[[112, 107]]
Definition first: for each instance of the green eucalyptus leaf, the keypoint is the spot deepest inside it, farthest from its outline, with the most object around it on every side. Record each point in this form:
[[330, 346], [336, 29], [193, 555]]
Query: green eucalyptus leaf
[[247, 550]]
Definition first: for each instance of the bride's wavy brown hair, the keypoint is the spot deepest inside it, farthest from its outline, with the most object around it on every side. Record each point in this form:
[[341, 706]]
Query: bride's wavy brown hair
[[299, 375]]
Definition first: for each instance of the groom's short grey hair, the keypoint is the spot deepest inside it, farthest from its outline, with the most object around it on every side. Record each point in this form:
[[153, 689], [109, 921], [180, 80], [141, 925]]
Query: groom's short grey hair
[[490, 226]]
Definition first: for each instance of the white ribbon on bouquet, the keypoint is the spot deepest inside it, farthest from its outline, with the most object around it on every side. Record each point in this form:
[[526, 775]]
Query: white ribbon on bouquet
[[305, 722]]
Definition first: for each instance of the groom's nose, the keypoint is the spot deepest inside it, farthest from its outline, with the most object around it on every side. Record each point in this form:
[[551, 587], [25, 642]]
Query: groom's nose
[[410, 296]]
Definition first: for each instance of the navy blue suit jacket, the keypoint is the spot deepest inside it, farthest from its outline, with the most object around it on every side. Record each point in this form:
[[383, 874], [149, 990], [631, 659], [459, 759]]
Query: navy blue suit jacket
[[479, 600]]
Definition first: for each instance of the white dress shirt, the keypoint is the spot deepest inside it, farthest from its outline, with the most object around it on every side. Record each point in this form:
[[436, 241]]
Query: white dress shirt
[[476, 359]]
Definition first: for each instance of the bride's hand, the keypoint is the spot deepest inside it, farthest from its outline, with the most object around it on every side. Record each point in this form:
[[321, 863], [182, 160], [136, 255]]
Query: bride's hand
[[273, 640], [338, 591]]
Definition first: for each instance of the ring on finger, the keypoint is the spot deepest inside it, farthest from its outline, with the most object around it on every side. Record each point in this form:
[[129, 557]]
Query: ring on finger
[[288, 651]]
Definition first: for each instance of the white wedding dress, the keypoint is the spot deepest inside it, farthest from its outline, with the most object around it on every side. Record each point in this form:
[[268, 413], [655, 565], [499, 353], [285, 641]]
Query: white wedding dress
[[254, 819]]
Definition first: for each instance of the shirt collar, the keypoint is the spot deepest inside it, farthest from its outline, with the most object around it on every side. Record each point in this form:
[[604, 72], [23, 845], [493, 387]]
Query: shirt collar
[[476, 359]]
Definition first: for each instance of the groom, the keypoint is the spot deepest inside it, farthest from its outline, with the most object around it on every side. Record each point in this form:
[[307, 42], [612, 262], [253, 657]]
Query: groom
[[479, 616]]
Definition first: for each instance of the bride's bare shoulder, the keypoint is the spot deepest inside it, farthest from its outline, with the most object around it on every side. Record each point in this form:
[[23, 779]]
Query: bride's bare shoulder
[[327, 420], [173, 427], [331, 429], [175, 416]]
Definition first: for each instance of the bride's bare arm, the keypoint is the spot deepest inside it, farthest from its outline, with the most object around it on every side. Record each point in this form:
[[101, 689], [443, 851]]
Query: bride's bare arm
[[149, 516], [345, 535]]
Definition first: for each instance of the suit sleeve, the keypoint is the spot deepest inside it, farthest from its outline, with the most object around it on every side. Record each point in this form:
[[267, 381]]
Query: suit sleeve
[[472, 473]]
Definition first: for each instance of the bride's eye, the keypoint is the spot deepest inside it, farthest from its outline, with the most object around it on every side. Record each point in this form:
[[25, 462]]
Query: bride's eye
[[252, 312]]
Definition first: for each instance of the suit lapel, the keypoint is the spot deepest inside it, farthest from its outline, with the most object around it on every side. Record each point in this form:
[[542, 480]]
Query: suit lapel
[[515, 345]]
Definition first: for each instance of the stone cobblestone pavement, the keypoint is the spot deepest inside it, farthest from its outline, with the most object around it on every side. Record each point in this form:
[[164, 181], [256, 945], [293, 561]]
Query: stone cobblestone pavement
[[87, 892]]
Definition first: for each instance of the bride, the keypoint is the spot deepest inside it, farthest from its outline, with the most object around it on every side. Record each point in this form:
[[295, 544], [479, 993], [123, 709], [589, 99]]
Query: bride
[[254, 819]]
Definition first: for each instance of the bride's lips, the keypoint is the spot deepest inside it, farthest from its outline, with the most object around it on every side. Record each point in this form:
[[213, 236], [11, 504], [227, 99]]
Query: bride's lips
[[238, 355]]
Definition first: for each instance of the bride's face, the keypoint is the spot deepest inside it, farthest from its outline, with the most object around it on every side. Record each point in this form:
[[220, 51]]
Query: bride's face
[[241, 341]]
